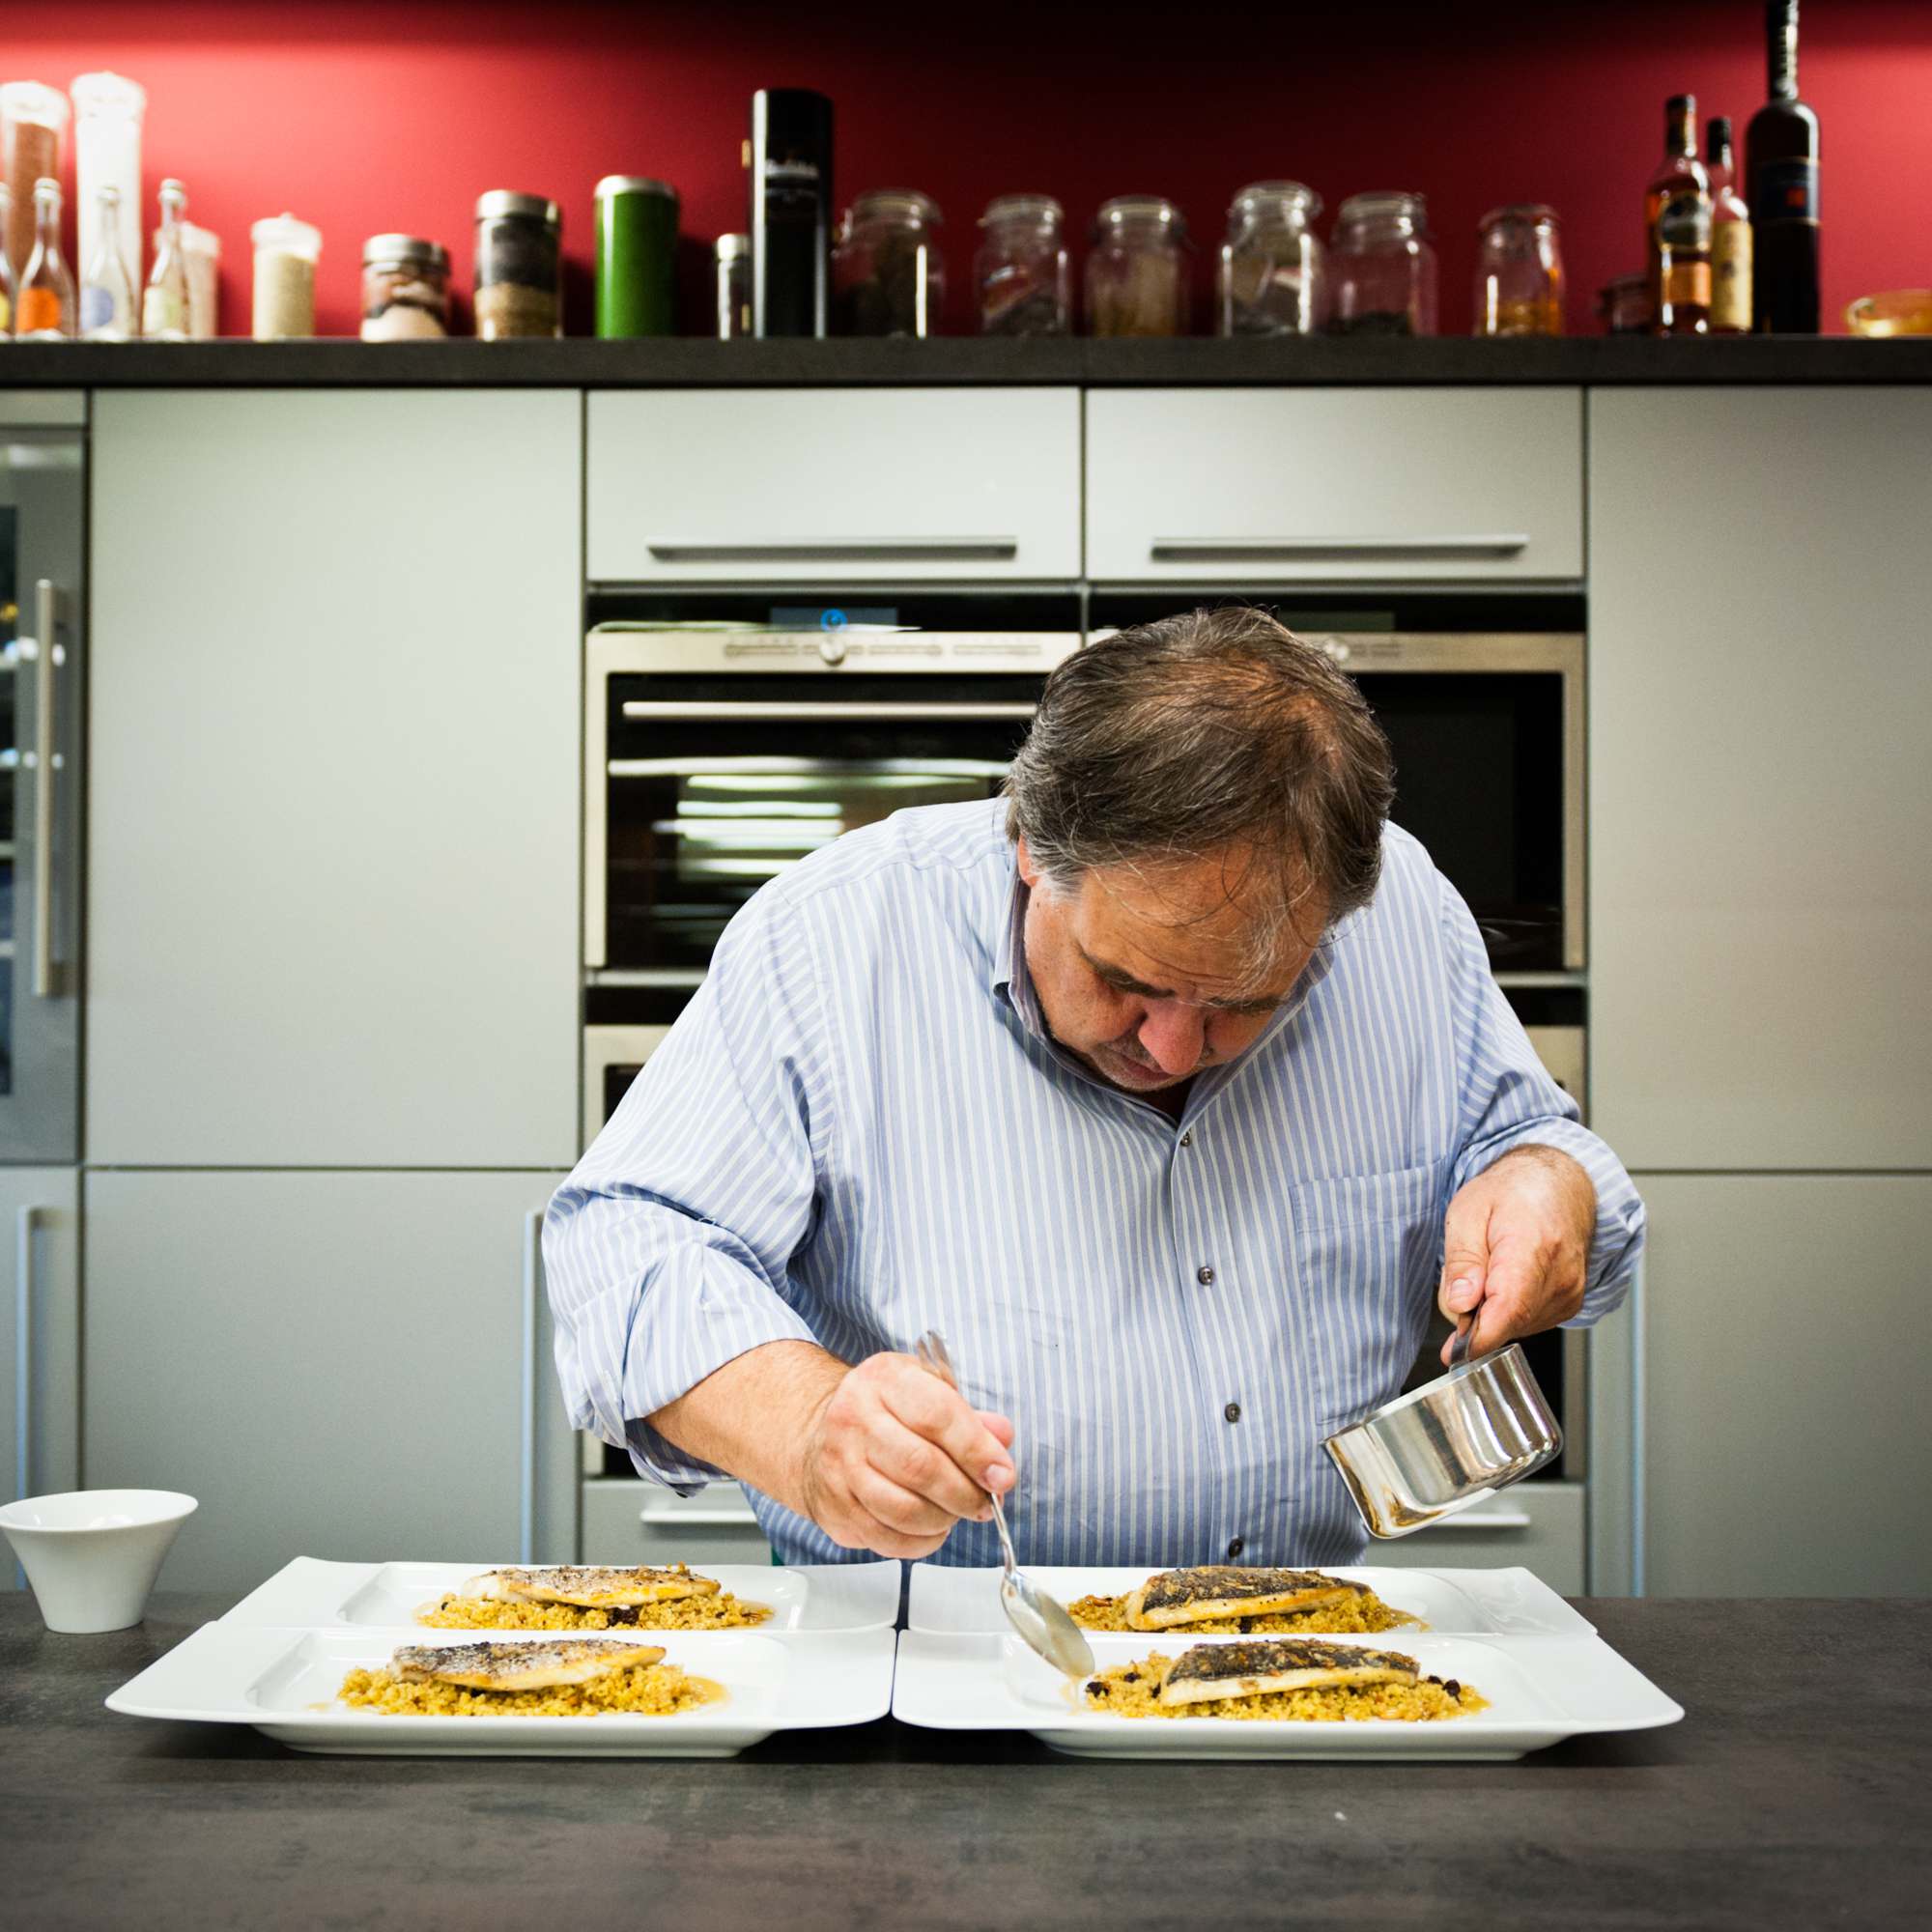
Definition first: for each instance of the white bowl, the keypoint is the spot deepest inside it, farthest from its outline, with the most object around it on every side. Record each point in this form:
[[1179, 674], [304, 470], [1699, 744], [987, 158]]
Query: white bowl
[[92, 1555]]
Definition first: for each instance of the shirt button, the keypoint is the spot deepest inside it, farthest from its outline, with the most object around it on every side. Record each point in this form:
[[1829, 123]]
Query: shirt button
[[1233, 1412], [1236, 1548], [1187, 1139], [1204, 1276]]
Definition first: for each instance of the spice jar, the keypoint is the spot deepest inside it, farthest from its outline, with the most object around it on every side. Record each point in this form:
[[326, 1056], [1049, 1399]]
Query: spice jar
[[519, 266], [1625, 305], [404, 289], [637, 256], [732, 260], [32, 117], [1022, 276], [1382, 268], [887, 275], [1518, 272], [1272, 278], [286, 252], [1137, 274]]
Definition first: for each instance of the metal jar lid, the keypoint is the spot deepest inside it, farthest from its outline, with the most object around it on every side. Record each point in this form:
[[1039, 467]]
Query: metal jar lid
[[405, 248], [1032, 210], [1141, 211], [500, 201], [615, 184]]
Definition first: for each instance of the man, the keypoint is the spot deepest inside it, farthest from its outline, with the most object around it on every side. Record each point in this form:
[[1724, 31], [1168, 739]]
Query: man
[[1170, 1089]]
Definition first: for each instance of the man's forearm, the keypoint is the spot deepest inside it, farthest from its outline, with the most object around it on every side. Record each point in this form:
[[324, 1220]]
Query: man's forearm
[[751, 1417]]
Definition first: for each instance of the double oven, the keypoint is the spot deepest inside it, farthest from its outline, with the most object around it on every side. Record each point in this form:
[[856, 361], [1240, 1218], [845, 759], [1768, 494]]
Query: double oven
[[729, 733]]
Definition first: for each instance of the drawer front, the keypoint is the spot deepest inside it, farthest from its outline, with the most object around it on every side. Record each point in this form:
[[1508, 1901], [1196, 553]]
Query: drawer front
[[1259, 486], [856, 485], [1538, 1525], [641, 1522]]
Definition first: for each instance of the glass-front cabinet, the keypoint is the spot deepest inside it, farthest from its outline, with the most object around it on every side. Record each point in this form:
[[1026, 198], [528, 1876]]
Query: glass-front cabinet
[[41, 495]]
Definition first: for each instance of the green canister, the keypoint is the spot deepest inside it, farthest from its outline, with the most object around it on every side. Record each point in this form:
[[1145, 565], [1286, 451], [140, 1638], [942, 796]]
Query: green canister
[[637, 256]]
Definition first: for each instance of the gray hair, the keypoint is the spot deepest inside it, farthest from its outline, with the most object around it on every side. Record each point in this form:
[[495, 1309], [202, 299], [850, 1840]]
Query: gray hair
[[1178, 739]]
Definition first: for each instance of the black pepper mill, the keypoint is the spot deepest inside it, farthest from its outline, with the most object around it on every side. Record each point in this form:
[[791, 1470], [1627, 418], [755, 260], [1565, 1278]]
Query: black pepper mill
[[790, 225]]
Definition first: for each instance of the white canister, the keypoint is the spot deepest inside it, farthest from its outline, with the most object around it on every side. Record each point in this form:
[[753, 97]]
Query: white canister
[[203, 249], [108, 111], [286, 251]]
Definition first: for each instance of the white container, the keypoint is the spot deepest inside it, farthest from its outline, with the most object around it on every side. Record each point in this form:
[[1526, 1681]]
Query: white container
[[108, 111], [92, 1555], [286, 251], [203, 249]]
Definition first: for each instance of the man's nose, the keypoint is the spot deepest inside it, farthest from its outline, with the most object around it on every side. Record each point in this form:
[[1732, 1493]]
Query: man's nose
[[1172, 1035]]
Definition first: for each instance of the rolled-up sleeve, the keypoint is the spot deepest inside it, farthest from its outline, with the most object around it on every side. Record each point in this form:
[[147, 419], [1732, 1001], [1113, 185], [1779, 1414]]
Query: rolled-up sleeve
[[666, 1250], [1509, 1100]]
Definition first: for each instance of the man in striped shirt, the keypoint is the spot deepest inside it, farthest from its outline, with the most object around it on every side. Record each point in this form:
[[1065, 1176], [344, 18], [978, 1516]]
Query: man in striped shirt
[[1173, 1089]]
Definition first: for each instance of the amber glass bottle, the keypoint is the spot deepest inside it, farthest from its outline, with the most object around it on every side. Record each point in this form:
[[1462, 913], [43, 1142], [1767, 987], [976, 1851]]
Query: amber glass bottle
[[1677, 217]]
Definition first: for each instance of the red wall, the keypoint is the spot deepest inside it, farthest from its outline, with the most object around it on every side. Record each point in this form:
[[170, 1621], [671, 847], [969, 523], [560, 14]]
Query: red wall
[[394, 114]]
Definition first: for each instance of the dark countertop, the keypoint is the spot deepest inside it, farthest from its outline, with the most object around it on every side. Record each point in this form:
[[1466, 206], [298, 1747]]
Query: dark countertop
[[687, 362], [1798, 1792]]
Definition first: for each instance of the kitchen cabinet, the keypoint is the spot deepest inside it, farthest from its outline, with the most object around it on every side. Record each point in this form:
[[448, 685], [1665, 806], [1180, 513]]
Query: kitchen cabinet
[[850, 486], [644, 1523], [40, 1222], [333, 813], [1539, 1525], [1274, 486], [1788, 1336], [1760, 705], [353, 1366]]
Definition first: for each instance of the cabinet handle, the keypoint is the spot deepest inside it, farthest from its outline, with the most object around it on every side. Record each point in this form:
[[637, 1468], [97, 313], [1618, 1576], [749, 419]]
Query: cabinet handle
[[1186, 550], [835, 549], [527, 1498], [45, 741], [1485, 1520], [24, 1343], [806, 714], [658, 1515]]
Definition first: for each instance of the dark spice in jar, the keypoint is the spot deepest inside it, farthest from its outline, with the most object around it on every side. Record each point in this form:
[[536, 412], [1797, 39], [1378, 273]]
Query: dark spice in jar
[[518, 262]]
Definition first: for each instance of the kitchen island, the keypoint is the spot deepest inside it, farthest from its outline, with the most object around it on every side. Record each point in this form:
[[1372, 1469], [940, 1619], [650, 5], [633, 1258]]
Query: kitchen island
[[1796, 1792]]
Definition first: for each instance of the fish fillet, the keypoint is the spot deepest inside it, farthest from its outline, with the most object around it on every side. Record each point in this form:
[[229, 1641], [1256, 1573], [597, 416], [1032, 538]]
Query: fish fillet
[[1253, 1669], [1225, 1590], [591, 1587], [520, 1667]]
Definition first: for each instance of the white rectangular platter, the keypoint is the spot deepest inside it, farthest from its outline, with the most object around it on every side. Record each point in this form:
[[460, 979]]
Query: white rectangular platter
[[1541, 1691], [309, 1593], [1451, 1603], [284, 1682]]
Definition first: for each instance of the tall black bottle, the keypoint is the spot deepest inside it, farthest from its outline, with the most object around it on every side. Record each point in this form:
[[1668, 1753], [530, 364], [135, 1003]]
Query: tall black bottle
[[789, 155], [1781, 186]]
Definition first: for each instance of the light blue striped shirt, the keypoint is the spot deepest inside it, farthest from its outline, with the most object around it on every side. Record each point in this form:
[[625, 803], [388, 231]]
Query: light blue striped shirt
[[859, 1128]]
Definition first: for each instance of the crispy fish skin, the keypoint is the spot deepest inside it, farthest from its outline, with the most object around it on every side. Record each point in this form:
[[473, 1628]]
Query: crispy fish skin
[[591, 1586], [1254, 1668], [1226, 1590], [520, 1666]]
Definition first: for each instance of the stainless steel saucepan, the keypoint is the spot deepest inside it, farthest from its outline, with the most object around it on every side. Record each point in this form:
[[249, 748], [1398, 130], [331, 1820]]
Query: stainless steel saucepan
[[1447, 1444]]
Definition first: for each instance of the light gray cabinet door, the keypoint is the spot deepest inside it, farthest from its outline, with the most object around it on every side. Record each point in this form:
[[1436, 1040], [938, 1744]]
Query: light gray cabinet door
[[40, 1391], [1760, 709], [337, 1365], [1787, 1329], [333, 892]]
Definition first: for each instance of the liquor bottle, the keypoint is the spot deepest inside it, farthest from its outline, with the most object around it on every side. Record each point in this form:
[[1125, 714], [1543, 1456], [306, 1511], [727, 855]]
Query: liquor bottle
[[1677, 214], [1781, 185], [790, 158], [106, 291], [45, 308], [1730, 236], [164, 304]]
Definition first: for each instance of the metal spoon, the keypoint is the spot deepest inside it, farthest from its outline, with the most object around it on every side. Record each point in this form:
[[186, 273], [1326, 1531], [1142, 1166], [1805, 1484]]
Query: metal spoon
[[1042, 1623]]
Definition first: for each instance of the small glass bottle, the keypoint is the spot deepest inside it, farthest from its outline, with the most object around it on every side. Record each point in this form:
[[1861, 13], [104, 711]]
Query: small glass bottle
[[1137, 273], [731, 265], [46, 310], [164, 302], [1382, 268], [107, 289], [1731, 235], [6, 265], [1272, 278], [887, 275], [1022, 275], [1518, 272]]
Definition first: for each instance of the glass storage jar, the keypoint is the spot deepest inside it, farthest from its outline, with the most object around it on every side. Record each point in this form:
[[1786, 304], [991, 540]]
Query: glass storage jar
[[286, 251], [1022, 276], [519, 266], [1518, 272], [1137, 274], [1382, 271], [32, 118], [887, 275], [1272, 278], [404, 289], [732, 260], [1625, 305]]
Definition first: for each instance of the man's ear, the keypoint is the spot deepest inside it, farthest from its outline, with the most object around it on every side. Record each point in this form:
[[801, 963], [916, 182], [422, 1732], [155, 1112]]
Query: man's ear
[[1029, 872]]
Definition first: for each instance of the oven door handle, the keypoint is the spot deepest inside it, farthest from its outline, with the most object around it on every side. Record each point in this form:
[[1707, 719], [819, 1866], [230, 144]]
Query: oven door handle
[[726, 712], [834, 549], [1188, 550]]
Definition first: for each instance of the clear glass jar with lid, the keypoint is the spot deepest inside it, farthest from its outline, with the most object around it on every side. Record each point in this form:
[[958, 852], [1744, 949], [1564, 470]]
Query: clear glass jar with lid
[[1137, 273], [519, 266], [1022, 276], [404, 289], [1383, 268], [1272, 278], [887, 275], [1518, 272]]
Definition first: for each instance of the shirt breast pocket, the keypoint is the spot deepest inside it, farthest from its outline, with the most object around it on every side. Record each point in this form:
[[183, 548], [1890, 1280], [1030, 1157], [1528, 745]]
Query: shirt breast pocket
[[1365, 1254]]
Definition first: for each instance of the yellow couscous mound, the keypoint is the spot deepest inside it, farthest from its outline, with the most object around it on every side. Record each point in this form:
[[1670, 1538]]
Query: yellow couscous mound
[[651, 1691], [1132, 1691], [1360, 1615], [723, 1611]]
